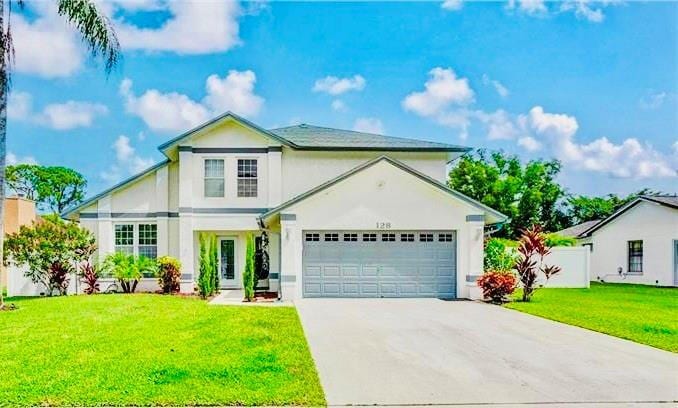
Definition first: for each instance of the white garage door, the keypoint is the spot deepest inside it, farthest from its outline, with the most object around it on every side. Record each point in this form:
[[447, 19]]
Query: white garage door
[[379, 264]]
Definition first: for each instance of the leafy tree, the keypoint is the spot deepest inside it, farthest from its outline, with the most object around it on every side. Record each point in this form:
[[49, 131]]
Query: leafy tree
[[96, 31], [51, 249], [527, 193], [54, 187], [583, 208]]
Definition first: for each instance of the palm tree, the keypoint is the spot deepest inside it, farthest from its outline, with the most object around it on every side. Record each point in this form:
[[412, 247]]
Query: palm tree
[[96, 31]]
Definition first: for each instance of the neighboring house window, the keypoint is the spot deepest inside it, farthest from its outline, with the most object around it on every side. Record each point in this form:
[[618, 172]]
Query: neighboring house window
[[137, 239], [214, 177], [247, 177], [148, 240], [635, 257], [124, 238]]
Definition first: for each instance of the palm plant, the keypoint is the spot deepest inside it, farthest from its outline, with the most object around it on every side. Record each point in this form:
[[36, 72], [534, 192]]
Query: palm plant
[[97, 33]]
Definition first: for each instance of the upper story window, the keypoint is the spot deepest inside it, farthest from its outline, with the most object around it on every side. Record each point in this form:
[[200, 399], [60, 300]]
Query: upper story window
[[214, 177], [247, 177], [635, 257]]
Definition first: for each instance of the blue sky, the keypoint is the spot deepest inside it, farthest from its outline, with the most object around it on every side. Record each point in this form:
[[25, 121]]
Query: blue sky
[[594, 85]]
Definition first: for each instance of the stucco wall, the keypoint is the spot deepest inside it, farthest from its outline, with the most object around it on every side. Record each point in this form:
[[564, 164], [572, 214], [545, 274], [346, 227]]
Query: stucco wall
[[382, 194], [575, 266], [656, 226]]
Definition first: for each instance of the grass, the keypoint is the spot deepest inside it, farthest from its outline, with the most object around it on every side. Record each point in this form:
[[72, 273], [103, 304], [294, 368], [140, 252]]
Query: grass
[[147, 349], [644, 314]]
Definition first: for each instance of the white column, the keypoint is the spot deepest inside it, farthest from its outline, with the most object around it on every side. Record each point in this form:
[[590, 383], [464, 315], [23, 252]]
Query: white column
[[290, 257], [162, 209], [186, 243], [274, 178], [105, 236], [475, 240]]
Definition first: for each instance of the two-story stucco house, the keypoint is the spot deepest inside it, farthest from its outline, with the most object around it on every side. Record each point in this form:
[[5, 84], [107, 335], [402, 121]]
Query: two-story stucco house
[[347, 213]]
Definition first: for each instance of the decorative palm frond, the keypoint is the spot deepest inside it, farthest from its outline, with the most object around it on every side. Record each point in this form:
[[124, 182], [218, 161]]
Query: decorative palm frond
[[96, 30]]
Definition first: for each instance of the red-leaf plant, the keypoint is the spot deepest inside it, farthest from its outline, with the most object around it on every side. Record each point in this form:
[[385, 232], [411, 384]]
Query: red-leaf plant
[[89, 275], [532, 249]]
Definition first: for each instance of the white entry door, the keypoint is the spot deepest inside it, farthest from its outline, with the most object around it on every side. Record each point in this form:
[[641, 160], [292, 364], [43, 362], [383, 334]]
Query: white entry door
[[227, 273]]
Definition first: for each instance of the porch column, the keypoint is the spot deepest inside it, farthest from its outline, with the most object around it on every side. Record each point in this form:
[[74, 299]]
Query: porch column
[[475, 238], [290, 257]]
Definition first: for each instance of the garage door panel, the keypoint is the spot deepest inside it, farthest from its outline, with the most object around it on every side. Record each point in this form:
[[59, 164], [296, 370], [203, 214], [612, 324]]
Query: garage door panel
[[397, 264]]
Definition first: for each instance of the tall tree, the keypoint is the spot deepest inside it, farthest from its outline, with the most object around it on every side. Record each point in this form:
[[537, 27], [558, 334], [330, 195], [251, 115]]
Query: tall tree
[[527, 193], [53, 187], [583, 208], [97, 33]]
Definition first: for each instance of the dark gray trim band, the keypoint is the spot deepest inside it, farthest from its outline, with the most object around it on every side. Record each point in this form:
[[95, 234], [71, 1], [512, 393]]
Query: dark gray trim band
[[472, 278], [289, 278], [185, 148], [288, 217], [186, 276], [191, 210], [129, 215], [273, 275], [475, 217], [236, 149]]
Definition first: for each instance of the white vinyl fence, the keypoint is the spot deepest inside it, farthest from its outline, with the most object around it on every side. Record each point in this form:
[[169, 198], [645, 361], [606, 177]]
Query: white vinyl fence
[[575, 264]]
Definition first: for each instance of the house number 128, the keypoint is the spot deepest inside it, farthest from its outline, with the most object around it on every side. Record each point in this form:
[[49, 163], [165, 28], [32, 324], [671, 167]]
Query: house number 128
[[383, 225]]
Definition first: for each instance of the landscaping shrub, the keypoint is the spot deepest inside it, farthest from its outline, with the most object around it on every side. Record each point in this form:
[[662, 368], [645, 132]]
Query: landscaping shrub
[[169, 274], [248, 277], [500, 255], [532, 249], [129, 269], [50, 249], [89, 276], [556, 240], [497, 285], [207, 283]]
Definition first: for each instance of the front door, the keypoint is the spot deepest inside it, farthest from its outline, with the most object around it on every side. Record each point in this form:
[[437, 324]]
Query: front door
[[227, 263]]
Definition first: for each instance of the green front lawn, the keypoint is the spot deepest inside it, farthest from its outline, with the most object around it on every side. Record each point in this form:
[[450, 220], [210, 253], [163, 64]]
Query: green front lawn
[[644, 314], [153, 350]]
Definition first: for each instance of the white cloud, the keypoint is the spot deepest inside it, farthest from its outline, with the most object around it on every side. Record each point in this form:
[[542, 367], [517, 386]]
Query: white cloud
[[442, 90], [46, 46], [172, 111], [12, 159], [499, 124], [653, 100], [498, 86], [127, 161], [452, 5], [71, 114], [531, 7], [582, 10], [529, 143], [369, 125], [338, 105], [194, 27], [58, 116], [337, 86]]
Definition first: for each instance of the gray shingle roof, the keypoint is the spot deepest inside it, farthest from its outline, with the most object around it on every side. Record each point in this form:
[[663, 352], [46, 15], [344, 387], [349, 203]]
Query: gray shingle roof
[[669, 200], [576, 230], [309, 137]]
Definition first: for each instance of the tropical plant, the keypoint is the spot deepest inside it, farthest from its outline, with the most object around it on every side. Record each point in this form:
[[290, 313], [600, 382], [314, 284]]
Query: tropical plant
[[96, 32], [89, 276], [169, 274], [129, 269], [497, 285], [248, 277], [530, 264], [50, 249], [556, 240], [500, 255], [206, 280]]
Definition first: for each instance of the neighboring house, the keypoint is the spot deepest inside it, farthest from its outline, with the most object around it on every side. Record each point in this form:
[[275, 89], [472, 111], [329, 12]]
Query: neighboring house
[[636, 244], [346, 213], [18, 211]]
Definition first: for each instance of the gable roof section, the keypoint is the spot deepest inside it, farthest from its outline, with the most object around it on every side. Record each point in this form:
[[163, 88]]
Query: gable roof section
[[665, 200], [576, 230], [396, 163], [213, 122], [309, 137], [70, 211]]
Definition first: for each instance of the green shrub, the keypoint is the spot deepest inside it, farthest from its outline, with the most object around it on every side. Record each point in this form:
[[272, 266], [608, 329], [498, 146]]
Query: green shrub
[[555, 240], [206, 280], [248, 278], [129, 269], [169, 274], [500, 255]]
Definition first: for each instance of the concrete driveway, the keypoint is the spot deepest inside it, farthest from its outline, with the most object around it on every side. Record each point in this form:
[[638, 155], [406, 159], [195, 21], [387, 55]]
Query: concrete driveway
[[427, 351]]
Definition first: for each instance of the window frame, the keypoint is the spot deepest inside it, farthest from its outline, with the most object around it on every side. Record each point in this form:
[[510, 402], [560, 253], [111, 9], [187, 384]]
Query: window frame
[[205, 177], [631, 254], [244, 177], [136, 237]]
